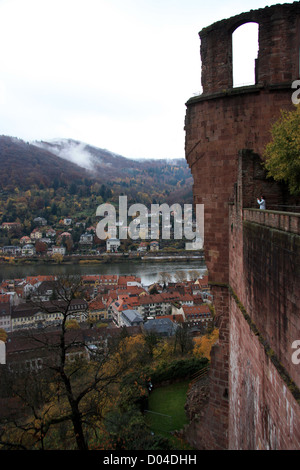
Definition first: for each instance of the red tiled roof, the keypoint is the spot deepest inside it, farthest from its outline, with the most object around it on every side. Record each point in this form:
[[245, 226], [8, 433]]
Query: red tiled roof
[[186, 297], [203, 282], [4, 298], [128, 278], [96, 304], [133, 290], [35, 279], [196, 309], [109, 278]]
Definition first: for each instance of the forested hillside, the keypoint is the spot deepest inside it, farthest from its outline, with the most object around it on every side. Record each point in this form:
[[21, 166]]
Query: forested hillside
[[37, 182]]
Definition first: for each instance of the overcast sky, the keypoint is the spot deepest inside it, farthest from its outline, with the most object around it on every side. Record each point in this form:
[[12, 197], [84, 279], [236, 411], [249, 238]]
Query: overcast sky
[[115, 74]]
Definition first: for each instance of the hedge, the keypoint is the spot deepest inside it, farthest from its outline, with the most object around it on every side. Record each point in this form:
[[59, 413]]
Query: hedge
[[179, 369]]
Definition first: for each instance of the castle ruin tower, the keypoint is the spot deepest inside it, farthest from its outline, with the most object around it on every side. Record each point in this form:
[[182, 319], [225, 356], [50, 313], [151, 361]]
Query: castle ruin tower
[[227, 128]]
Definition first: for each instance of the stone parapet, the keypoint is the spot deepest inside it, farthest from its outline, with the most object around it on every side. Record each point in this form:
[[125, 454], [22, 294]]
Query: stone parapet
[[289, 222]]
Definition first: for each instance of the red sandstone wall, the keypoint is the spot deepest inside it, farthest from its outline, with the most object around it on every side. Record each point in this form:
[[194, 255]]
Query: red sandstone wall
[[271, 283], [278, 47], [215, 130], [262, 412], [264, 252]]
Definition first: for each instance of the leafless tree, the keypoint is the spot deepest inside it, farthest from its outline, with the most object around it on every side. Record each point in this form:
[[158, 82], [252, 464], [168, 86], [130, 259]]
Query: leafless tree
[[75, 371], [165, 277], [180, 276], [194, 274]]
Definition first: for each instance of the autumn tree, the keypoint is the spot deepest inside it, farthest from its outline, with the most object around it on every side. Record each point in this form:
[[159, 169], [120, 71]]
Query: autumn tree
[[282, 154], [57, 257], [203, 344], [128, 431], [165, 277], [180, 276], [194, 274], [3, 335], [183, 339], [151, 341], [41, 247], [71, 389]]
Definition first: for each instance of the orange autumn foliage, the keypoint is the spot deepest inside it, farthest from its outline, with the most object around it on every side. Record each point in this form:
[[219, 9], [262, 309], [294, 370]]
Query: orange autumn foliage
[[3, 335], [203, 344]]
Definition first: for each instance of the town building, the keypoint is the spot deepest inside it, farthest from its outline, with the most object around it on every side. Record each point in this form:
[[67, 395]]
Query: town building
[[12, 250], [154, 245], [43, 314], [59, 249], [11, 226], [97, 310], [40, 221], [160, 326], [5, 316], [130, 318], [86, 239], [112, 245], [28, 250]]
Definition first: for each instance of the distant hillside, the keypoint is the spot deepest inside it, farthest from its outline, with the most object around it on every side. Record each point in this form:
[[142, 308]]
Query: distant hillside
[[91, 158], [105, 164], [24, 165], [69, 178]]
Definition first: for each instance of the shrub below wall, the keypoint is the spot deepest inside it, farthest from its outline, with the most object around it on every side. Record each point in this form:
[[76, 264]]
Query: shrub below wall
[[177, 370]]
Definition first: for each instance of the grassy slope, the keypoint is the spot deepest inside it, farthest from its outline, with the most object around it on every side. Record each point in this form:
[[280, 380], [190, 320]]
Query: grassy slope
[[170, 401]]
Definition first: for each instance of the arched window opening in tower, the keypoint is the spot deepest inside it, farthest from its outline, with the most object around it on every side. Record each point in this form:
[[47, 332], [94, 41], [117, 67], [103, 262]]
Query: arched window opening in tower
[[244, 54]]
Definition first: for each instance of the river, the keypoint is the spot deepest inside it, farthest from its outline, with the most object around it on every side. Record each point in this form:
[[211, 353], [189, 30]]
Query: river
[[148, 271]]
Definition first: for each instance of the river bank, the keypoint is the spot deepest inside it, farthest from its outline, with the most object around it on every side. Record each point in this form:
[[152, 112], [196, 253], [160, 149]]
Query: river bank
[[147, 269], [102, 259]]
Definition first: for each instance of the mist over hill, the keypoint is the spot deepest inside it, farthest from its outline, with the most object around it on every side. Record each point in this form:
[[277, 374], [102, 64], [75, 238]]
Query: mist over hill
[[96, 159], [65, 176], [84, 155], [23, 164]]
